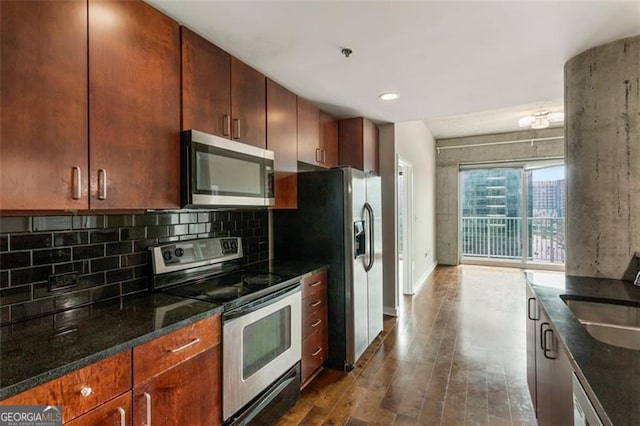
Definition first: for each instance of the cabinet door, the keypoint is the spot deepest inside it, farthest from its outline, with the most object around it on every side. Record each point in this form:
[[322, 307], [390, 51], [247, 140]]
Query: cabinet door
[[206, 86], [134, 106], [358, 144], [308, 132], [115, 412], [532, 322], [553, 378], [370, 146], [187, 394], [328, 140], [282, 140], [43, 99], [248, 104]]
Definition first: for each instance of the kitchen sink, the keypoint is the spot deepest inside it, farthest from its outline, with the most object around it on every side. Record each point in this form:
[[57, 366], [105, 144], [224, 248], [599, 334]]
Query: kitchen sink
[[610, 322]]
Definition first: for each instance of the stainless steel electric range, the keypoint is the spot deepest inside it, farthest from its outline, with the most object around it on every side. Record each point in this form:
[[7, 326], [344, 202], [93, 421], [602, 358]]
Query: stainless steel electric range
[[261, 335]]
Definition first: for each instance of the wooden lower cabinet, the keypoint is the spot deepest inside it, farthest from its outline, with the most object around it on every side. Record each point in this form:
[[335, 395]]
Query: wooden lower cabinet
[[315, 338], [549, 373], [82, 390], [176, 377], [115, 412], [187, 394]]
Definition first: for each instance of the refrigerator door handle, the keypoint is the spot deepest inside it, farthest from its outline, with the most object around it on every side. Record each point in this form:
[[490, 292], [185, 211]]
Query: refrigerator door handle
[[369, 210]]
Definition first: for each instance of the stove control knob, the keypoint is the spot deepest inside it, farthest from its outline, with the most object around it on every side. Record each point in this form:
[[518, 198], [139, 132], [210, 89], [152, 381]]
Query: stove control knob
[[234, 245], [179, 252], [225, 245], [166, 255]]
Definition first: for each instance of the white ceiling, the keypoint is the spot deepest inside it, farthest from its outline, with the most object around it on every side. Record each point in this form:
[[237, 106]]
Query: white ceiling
[[464, 67]]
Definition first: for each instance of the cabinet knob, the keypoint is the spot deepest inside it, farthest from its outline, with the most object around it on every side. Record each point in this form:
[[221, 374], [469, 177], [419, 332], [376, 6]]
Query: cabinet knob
[[86, 391]]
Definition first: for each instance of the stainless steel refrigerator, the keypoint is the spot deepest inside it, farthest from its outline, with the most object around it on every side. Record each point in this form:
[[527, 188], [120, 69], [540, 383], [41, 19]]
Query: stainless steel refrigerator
[[339, 222]]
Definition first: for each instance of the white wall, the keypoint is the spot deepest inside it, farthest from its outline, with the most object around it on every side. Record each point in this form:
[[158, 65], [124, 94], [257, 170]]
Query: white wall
[[412, 141], [415, 143]]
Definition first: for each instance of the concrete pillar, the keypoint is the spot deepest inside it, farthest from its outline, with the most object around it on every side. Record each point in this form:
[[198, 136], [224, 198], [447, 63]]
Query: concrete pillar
[[602, 124]]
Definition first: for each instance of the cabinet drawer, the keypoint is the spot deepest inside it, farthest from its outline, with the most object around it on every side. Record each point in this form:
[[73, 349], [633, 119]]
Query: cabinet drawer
[[314, 352], [164, 352], [314, 318], [115, 412], [312, 304], [82, 390], [314, 283]]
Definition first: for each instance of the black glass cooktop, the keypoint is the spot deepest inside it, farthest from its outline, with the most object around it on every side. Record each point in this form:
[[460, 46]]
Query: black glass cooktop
[[234, 289]]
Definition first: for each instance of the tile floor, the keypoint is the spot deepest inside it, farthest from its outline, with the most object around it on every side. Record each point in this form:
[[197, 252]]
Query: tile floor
[[455, 356]]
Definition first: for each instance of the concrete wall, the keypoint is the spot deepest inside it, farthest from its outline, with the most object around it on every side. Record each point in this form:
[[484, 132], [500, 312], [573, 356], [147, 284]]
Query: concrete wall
[[602, 105], [448, 164], [413, 141]]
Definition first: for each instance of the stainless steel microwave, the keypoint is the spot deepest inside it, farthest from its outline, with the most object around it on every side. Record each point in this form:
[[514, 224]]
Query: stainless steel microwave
[[220, 172]]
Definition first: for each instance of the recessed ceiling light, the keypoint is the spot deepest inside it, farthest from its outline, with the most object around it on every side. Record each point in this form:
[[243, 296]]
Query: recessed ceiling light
[[388, 96]]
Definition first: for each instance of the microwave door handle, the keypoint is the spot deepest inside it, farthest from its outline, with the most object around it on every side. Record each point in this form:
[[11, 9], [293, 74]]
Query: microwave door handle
[[371, 247]]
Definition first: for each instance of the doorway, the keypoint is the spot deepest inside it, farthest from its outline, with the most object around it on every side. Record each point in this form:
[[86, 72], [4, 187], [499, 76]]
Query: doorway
[[405, 228]]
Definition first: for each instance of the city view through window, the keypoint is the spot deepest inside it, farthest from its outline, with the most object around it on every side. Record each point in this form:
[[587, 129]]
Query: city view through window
[[493, 223]]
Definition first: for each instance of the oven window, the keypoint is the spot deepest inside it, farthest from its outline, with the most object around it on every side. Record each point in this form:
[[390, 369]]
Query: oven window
[[264, 340], [222, 175]]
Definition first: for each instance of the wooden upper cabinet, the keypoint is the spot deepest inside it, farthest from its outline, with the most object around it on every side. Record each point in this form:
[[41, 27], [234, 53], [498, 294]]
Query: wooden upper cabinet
[[43, 99], [134, 99], [282, 140], [329, 140], [248, 105], [206, 86], [308, 133], [358, 144]]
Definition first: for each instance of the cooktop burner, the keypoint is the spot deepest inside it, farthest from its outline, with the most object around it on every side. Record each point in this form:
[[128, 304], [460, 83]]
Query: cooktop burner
[[225, 294], [262, 279]]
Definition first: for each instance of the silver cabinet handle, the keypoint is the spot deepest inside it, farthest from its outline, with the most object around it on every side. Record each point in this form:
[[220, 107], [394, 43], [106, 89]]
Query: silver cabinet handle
[[316, 323], [76, 183], [315, 284], [183, 347], [123, 416], [102, 184], [236, 123], [316, 303], [226, 124], [148, 398], [86, 391], [318, 158], [317, 351], [324, 156]]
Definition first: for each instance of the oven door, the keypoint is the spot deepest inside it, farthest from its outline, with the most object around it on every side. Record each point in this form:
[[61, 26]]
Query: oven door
[[260, 344]]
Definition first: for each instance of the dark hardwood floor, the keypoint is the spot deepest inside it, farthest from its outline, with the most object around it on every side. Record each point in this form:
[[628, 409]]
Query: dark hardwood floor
[[456, 355]]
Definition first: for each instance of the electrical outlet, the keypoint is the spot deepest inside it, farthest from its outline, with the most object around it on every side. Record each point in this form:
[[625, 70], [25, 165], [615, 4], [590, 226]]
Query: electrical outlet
[[63, 281]]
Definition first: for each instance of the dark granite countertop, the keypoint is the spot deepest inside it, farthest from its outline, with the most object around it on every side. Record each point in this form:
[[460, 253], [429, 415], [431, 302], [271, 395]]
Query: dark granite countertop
[[42, 349], [295, 268], [610, 375]]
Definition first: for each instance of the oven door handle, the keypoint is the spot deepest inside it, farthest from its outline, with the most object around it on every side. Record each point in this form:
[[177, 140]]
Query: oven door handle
[[262, 302]]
